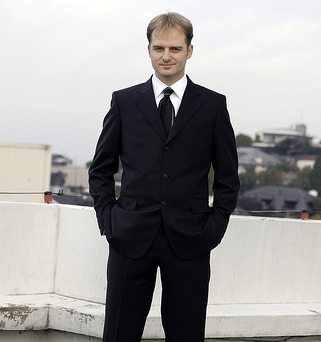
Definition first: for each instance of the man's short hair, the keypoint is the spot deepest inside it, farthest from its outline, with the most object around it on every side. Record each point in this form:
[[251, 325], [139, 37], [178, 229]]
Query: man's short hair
[[169, 20]]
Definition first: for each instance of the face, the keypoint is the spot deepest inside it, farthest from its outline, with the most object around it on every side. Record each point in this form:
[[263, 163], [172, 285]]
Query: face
[[169, 52]]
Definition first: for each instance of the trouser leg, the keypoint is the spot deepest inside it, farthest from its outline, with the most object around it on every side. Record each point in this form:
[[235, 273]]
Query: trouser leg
[[130, 289]]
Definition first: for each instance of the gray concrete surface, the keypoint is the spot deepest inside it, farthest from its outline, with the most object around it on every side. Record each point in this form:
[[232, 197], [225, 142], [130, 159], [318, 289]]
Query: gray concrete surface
[[59, 336]]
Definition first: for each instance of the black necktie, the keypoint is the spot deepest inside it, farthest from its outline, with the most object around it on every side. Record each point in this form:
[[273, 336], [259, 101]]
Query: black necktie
[[166, 110]]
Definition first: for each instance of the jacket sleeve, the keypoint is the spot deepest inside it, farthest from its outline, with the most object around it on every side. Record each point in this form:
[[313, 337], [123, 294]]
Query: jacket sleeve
[[104, 166], [225, 164]]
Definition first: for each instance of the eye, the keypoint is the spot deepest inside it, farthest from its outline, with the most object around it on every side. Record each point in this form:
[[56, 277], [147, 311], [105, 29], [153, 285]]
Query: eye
[[175, 49]]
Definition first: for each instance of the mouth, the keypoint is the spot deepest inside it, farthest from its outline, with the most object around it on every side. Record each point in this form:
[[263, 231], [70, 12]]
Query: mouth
[[166, 65]]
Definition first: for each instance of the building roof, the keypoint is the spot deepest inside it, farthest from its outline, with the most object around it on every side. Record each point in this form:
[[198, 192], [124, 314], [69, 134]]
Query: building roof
[[282, 198], [285, 132], [255, 156]]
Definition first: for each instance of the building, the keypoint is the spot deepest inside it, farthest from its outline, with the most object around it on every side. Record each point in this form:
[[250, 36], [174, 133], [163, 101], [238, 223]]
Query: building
[[254, 156], [281, 198], [74, 177], [305, 162], [24, 172], [272, 137]]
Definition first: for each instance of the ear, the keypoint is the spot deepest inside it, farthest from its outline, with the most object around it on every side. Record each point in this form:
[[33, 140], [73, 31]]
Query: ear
[[148, 47], [190, 51]]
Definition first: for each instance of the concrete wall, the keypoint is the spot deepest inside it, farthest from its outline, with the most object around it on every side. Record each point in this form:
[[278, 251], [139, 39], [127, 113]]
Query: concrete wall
[[48, 248], [52, 248], [264, 260]]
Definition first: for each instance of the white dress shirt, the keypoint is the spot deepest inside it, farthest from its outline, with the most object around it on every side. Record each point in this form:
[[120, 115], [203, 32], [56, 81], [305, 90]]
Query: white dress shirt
[[176, 97]]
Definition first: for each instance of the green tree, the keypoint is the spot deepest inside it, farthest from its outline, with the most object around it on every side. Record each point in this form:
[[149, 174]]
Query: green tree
[[315, 176], [302, 179], [316, 209], [257, 138], [285, 167], [317, 205], [58, 178], [248, 179], [269, 177], [293, 146], [243, 140]]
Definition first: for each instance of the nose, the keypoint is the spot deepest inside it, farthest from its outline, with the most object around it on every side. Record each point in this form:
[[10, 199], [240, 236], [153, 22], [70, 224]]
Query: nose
[[166, 55]]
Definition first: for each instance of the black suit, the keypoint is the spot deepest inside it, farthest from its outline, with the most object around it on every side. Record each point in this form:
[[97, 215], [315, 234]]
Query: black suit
[[165, 181]]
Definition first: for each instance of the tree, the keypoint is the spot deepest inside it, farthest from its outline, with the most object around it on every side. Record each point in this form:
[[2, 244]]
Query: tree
[[285, 167], [302, 179], [293, 146], [58, 178], [315, 176], [270, 177], [243, 140], [317, 204], [257, 138], [247, 179]]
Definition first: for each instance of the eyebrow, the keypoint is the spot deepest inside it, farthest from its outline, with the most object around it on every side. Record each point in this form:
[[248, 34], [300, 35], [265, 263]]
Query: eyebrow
[[171, 47]]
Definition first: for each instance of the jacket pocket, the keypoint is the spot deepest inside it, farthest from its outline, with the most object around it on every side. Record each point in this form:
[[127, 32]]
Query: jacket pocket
[[127, 203], [200, 206]]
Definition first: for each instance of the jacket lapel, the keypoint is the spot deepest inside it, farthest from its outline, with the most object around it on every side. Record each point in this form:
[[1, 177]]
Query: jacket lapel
[[190, 103], [146, 103]]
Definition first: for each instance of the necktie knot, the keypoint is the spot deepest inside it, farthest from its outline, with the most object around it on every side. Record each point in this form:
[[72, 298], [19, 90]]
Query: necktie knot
[[168, 91]]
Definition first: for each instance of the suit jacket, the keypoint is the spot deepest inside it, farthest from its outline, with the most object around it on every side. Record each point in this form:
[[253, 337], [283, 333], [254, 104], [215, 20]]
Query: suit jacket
[[165, 180]]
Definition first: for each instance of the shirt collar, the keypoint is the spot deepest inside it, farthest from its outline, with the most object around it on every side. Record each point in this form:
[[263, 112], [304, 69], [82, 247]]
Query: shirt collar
[[178, 87]]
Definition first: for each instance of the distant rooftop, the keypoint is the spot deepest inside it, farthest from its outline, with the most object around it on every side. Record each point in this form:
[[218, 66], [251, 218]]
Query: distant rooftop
[[283, 131], [255, 156], [282, 198], [270, 137]]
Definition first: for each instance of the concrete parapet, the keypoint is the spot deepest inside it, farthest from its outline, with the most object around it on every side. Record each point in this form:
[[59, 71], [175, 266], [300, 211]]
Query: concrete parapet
[[266, 275]]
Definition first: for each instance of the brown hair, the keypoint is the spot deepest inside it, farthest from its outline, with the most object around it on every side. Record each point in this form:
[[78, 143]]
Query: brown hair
[[169, 20]]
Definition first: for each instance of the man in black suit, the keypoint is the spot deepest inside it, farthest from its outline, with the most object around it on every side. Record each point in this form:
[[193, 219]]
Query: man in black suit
[[167, 140]]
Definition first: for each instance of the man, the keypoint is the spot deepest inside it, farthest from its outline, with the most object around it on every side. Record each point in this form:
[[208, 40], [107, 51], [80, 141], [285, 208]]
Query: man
[[162, 218]]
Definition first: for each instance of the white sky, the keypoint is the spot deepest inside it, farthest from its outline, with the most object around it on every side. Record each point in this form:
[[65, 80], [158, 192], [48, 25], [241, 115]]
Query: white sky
[[60, 60]]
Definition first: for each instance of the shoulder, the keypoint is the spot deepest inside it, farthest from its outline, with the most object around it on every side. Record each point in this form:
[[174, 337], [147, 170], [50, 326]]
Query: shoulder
[[205, 92], [137, 88]]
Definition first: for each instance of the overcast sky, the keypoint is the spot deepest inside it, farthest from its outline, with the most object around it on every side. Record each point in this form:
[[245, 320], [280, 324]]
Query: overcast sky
[[60, 60]]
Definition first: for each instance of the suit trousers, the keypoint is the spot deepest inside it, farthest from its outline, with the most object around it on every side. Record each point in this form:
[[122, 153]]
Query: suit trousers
[[130, 289]]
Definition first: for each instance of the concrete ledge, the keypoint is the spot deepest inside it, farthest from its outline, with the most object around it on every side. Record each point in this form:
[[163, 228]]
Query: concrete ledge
[[52, 311], [264, 320]]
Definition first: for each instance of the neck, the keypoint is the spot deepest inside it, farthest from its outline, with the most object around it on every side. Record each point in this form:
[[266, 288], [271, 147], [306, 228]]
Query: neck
[[169, 81]]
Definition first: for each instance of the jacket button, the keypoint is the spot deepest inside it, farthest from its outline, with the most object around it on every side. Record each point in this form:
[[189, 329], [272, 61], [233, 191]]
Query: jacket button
[[165, 176], [166, 148], [164, 203]]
